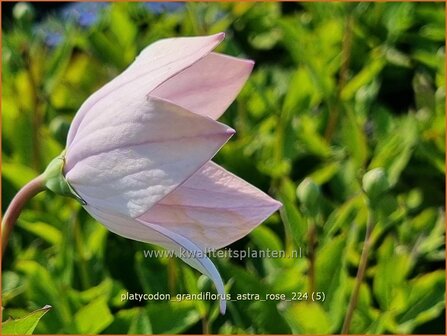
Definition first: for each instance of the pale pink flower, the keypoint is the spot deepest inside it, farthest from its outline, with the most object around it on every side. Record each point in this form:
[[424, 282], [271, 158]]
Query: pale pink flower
[[138, 152]]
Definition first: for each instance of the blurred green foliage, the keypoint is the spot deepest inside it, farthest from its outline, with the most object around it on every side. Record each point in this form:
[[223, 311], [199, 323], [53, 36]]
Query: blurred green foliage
[[338, 89]]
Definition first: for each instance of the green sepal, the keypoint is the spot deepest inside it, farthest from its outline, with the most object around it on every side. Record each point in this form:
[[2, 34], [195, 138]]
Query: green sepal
[[55, 179]]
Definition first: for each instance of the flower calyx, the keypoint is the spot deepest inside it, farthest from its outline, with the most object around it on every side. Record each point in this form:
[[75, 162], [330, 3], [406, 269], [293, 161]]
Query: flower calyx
[[56, 181]]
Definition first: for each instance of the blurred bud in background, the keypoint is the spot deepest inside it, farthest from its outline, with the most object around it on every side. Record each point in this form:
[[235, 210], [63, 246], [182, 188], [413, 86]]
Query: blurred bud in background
[[375, 184], [309, 195], [23, 12]]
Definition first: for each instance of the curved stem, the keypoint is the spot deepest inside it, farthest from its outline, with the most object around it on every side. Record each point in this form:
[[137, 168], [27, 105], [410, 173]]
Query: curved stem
[[360, 274], [31, 189]]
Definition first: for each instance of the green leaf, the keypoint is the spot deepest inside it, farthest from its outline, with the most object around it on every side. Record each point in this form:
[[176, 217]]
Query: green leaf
[[310, 138], [331, 275], [57, 64], [141, 323], [93, 318], [295, 223], [325, 173], [329, 264], [96, 240], [394, 152], [365, 76], [399, 17], [354, 138], [172, 317], [17, 174], [307, 318], [12, 286], [106, 50], [43, 230], [433, 241], [390, 273], [43, 288], [192, 287], [266, 239], [103, 289], [301, 93], [343, 215], [24, 325], [425, 300], [126, 319], [264, 316], [123, 27]]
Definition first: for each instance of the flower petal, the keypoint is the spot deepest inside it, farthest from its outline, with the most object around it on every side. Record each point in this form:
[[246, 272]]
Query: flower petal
[[137, 159], [209, 86], [213, 208], [188, 251], [155, 64]]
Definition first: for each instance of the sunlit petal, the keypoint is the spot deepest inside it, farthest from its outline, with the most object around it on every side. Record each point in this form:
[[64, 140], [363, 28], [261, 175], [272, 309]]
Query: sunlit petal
[[213, 208], [155, 64], [209, 86], [142, 155]]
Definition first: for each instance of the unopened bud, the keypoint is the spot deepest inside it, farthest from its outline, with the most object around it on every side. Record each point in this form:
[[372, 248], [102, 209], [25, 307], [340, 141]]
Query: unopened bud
[[23, 12], [375, 184], [308, 193]]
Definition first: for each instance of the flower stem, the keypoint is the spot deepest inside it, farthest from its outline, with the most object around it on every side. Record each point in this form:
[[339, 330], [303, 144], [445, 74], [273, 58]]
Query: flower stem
[[31, 189], [205, 325], [359, 278], [312, 257], [344, 72]]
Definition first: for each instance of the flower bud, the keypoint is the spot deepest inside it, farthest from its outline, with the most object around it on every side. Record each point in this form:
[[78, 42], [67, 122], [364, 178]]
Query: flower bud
[[308, 193], [23, 12], [375, 184]]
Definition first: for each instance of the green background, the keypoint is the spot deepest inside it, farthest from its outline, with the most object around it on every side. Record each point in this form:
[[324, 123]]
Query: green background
[[338, 89]]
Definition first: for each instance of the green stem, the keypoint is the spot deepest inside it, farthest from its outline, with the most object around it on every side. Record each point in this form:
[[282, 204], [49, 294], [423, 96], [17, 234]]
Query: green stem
[[30, 190], [360, 275], [312, 257], [334, 108], [205, 325]]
